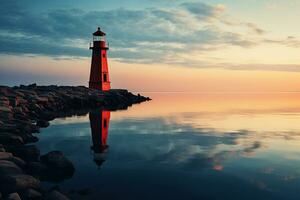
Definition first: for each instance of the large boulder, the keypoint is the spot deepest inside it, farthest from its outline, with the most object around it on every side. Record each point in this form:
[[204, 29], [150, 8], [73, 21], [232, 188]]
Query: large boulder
[[58, 167]]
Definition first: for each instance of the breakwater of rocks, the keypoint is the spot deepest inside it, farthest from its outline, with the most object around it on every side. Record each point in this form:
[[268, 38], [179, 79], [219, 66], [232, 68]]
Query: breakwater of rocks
[[26, 109]]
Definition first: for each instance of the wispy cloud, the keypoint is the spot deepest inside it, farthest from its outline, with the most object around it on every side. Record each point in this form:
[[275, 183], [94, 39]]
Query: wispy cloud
[[150, 35]]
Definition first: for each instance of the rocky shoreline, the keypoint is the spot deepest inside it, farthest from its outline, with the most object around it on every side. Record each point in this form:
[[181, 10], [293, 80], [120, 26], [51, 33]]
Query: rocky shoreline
[[26, 109]]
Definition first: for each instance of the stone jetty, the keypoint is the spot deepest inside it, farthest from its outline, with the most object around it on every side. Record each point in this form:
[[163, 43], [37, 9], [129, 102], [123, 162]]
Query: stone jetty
[[26, 109]]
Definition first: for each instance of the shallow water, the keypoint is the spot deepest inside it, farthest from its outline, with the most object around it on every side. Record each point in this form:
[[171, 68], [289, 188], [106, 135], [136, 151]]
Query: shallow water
[[185, 146]]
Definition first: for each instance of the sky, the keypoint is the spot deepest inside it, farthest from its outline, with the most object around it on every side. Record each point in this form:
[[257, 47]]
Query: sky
[[155, 45]]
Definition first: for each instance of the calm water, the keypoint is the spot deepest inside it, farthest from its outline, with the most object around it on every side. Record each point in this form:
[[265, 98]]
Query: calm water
[[185, 146]]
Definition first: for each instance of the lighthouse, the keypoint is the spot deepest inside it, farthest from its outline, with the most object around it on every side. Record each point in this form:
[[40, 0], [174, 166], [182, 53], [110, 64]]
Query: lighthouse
[[99, 76]]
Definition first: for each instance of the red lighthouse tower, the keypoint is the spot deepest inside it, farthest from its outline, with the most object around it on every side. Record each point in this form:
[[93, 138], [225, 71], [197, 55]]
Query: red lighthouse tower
[[99, 76]]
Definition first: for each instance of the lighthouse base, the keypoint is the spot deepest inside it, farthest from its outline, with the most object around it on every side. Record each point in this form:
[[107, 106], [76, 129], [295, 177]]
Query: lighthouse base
[[103, 86]]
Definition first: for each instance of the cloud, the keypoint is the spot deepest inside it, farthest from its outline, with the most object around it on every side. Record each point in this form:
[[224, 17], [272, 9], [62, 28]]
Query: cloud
[[149, 35], [255, 28], [204, 11], [289, 41], [65, 31]]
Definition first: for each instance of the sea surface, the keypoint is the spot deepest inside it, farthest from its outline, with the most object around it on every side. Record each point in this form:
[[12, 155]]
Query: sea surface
[[184, 146]]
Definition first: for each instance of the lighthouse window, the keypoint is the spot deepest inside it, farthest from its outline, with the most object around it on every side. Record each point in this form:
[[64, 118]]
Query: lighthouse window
[[105, 77], [103, 55], [105, 123]]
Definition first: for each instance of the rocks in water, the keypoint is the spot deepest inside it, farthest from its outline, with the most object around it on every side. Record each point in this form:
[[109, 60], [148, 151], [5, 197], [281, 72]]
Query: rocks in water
[[36, 169], [42, 123], [2, 149], [8, 167], [23, 110], [27, 153], [18, 183], [56, 167], [53, 167], [18, 161], [5, 155], [55, 195], [9, 157], [13, 196], [84, 191], [32, 194], [10, 138]]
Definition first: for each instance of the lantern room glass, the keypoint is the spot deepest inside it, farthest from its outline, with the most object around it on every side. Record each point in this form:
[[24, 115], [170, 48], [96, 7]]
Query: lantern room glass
[[99, 38]]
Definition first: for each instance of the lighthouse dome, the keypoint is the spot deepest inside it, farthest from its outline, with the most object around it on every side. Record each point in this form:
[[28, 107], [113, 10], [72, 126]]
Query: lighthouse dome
[[99, 33]]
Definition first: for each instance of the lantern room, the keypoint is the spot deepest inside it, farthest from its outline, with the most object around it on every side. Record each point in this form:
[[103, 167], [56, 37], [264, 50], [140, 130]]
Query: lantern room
[[99, 35]]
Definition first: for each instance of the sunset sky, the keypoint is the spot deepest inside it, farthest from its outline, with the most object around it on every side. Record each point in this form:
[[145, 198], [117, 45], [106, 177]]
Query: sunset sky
[[170, 45]]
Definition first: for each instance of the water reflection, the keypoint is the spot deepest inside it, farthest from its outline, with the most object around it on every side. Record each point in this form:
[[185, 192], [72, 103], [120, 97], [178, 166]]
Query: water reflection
[[99, 122], [185, 147]]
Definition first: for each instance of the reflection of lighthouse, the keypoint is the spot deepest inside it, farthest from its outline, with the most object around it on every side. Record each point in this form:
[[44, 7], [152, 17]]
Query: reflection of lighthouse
[[99, 121]]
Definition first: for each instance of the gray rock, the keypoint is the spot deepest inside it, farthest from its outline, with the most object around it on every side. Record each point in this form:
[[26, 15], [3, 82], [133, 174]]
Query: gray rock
[[42, 123], [18, 161], [5, 155], [55, 195], [8, 127], [5, 109], [18, 182], [27, 153], [36, 169], [2, 149], [58, 166], [32, 194], [8, 167], [13, 196], [9, 138]]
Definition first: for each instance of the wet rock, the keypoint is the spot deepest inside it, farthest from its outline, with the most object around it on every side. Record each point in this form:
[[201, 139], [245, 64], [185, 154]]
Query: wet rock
[[47, 116], [24, 109], [18, 183], [84, 191], [9, 128], [55, 195], [13, 196], [9, 138], [42, 123], [5, 155], [2, 149], [58, 167], [32, 194], [8, 167], [29, 138], [5, 109], [37, 169], [18, 161], [27, 153]]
